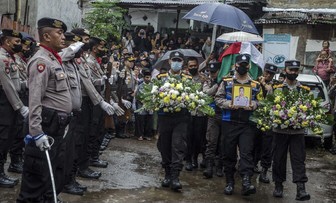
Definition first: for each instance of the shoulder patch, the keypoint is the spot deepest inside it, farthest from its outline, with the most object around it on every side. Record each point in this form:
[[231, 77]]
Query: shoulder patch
[[162, 75], [278, 86], [186, 76], [7, 70], [254, 81], [305, 87], [41, 67], [78, 61]]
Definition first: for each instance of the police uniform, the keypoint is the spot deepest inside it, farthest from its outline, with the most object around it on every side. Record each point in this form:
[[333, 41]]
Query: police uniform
[[16, 150], [96, 131], [10, 103], [196, 135], [263, 140], [213, 133], [50, 111], [237, 130], [172, 140], [291, 140]]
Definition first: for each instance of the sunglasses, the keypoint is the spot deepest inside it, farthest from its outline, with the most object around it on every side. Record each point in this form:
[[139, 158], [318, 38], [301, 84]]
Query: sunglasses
[[176, 60]]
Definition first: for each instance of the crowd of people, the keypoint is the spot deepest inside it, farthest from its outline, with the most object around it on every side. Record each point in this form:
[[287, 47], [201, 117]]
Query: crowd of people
[[71, 93]]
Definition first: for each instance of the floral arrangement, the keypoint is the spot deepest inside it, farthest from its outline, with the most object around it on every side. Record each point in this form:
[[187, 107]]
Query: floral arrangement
[[172, 95], [288, 109]]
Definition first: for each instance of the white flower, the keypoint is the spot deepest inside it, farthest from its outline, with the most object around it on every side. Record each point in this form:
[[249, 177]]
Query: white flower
[[154, 89]]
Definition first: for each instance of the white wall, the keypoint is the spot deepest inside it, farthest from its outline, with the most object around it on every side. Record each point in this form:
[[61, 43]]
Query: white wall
[[137, 15], [65, 10]]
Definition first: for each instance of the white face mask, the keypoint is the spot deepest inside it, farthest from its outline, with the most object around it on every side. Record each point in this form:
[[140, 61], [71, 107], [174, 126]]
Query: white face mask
[[176, 66]]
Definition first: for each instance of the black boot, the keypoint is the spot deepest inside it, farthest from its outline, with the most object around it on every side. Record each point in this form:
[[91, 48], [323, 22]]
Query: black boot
[[73, 189], [247, 187], [219, 169], [96, 162], [209, 168], [263, 176], [229, 188], [89, 173], [6, 181], [302, 195], [278, 190], [195, 162], [175, 182], [16, 165], [189, 166], [166, 181]]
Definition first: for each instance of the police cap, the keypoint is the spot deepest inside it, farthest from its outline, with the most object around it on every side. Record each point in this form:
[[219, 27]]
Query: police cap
[[292, 64], [214, 66], [81, 32], [176, 54], [270, 68], [69, 36], [146, 72], [51, 22], [11, 33], [243, 58]]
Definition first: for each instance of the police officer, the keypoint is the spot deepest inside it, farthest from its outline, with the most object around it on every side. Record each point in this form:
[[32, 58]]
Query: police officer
[[292, 140], [51, 105], [263, 141], [197, 124], [11, 103], [173, 131], [236, 129], [213, 134], [16, 150]]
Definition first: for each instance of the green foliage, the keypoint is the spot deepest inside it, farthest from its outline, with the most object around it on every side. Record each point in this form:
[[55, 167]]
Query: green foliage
[[105, 19]]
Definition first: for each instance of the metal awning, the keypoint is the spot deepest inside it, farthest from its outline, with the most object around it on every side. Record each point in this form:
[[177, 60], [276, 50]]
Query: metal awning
[[297, 16]]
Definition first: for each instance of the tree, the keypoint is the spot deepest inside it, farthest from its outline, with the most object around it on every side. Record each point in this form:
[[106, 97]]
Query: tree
[[105, 19]]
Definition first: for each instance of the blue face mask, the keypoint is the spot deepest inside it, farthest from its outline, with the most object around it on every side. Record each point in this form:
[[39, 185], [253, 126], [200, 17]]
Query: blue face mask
[[176, 66]]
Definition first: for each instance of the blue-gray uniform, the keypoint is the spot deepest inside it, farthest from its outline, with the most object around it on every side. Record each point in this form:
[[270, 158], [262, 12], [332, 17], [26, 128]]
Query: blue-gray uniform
[[236, 129]]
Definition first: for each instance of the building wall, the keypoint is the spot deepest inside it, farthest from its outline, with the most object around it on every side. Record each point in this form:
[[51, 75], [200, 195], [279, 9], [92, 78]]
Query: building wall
[[302, 3]]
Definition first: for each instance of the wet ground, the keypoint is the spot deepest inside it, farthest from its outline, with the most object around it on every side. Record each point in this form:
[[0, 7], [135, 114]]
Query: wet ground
[[134, 174]]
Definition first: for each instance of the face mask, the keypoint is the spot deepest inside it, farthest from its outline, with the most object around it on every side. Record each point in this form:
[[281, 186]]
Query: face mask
[[291, 76], [86, 47], [105, 60], [79, 53], [17, 48], [242, 70], [100, 53], [193, 71], [27, 54], [176, 66]]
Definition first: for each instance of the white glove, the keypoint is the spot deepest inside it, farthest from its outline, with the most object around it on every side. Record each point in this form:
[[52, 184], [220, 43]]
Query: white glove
[[126, 103], [122, 73], [104, 77], [117, 109], [24, 111], [111, 80], [76, 46], [42, 142], [107, 107]]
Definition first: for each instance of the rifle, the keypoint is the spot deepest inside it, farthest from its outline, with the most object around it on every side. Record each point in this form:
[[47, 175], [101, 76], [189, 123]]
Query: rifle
[[109, 122], [122, 93]]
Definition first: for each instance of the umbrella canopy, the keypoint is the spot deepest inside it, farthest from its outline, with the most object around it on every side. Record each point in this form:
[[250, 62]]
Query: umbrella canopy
[[222, 14], [163, 61], [240, 37]]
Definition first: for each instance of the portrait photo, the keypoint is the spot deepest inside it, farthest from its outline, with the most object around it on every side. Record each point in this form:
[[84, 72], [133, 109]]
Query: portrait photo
[[241, 95]]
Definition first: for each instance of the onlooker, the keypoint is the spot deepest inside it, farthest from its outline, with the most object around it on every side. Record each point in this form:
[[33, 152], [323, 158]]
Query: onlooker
[[324, 67], [141, 42]]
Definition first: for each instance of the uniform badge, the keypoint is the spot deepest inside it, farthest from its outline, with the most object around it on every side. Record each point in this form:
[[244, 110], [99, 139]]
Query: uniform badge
[[40, 67], [78, 61], [61, 75], [7, 70], [13, 67]]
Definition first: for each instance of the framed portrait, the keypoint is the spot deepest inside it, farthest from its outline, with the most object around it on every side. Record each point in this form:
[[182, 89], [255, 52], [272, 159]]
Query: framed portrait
[[241, 95]]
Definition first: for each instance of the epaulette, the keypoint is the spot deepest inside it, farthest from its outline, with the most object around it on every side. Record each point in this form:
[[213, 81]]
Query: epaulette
[[305, 87], [278, 86], [186, 76], [254, 81], [162, 75], [227, 78]]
